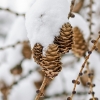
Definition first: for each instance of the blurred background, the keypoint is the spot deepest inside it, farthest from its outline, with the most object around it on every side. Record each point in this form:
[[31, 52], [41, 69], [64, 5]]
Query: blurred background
[[20, 76]]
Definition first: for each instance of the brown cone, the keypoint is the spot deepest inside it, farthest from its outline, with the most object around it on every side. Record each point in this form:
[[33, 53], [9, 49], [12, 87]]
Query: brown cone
[[79, 47], [51, 62], [37, 52], [84, 78], [26, 51], [4, 89], [65, 39], [17, 70]]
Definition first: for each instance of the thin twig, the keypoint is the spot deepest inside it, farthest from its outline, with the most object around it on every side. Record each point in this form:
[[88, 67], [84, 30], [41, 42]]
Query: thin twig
[[13, 45], [71, 9], [90, 18], [8, 10], [90, 81], [64, 94], [40, 92], [82, 67]]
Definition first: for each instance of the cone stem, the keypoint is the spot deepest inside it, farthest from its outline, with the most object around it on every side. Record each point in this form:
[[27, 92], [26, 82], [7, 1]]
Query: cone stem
[[41, 90]]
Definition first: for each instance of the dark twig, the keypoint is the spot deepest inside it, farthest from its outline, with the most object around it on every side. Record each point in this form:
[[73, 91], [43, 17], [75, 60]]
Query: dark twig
[[8, 10], [71, 9]]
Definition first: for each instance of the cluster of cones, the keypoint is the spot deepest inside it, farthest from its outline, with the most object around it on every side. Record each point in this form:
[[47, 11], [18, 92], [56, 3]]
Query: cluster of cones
[[69, 39]]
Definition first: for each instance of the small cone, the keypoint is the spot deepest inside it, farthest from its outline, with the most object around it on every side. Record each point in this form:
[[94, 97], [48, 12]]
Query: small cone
[[37, 53], [4, 90], [26, 51], [65, 39], [84, 78], [51, 62], [17, 70], [79, 47]]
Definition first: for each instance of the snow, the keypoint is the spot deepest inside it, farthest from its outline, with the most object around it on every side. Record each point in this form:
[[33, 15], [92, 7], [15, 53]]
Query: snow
[[7, 77], [20, 6], [25, 88], [14, 56], [17, 32], [6, 22], [28, 65], [42, 29], [81, 23], [2, 57], [4, 3], [44, 20], [55, 87]]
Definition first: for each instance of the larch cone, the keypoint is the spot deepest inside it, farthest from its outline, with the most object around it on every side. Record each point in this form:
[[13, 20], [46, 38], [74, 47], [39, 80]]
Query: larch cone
[[37, 53], [65, 39], [51, 62], [79, 46]]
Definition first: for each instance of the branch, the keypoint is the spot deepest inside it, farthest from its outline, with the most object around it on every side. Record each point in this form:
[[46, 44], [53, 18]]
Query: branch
[[13, 45], [76, 82], [90, 14], [71, 9], [41, 90], [8, 10], [29, 73], [90, 84], [65, 94]]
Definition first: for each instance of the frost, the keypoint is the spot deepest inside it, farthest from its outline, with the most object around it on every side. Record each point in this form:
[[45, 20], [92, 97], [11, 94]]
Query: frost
[[44, 20]]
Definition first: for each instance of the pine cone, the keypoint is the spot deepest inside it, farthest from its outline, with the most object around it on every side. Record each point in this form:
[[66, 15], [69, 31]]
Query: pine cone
[[51, 62], [37, 52], [26, 51], [65, 39], [79, 47]]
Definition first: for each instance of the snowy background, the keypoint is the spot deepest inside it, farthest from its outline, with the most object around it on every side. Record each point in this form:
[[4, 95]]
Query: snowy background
[[20, 75]]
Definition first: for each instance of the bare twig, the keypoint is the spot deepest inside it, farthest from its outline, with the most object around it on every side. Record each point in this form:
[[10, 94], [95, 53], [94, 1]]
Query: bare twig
[[8, 10], [76, 82], [40, 92], [13, 45], [71, 9], [90, 14], [90, 81], [64, 95], [90, 84]]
